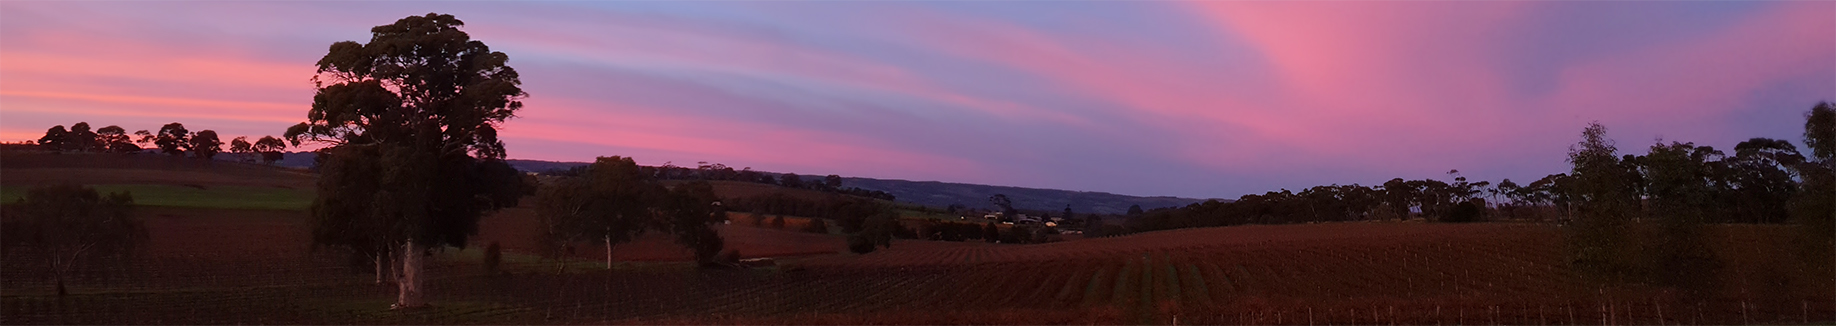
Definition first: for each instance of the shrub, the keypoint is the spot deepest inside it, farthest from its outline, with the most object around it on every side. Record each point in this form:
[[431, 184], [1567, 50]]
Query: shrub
[[1465, 212], [860, 244], [816, 225], [777, 222], [493, 255], [731, 257]]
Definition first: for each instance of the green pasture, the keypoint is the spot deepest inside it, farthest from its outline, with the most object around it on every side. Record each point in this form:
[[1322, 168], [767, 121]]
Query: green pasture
[[220, 197]]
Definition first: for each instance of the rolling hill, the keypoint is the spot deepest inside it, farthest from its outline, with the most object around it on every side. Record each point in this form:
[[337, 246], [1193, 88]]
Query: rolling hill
[[928, 193]]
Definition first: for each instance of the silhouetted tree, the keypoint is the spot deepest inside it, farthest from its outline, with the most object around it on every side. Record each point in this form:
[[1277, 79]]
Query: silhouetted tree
[[55, 139], [1814, 208], [418, 105], [1761, 173], [143, 137], [115, 139], [833, 181], [1681, 194], [610, 202], [173, 139], [269, 148], [790, 180], [688, 211], [82, 139], [205, 145], [991, 233], [1598, 241], [1134, 210], [241, 147], [71, 228]]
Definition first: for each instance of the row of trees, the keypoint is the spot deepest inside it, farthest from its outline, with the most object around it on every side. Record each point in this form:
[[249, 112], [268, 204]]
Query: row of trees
[[172, 139], [1757, 184], [716, 171], [1435, 200], [721, 172]]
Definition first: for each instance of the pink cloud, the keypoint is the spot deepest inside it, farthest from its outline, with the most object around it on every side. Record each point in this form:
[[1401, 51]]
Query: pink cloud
[[1217, 123], [1688, 86], [104, 73], [689, 47]]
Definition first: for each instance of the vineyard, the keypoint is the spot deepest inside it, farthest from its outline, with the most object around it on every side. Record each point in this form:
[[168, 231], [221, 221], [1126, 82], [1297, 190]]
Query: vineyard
[[254, 267]]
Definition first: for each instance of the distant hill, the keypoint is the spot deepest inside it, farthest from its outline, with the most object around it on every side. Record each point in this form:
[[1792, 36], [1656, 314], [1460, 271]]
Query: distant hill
[[943, 194], [927, 193]]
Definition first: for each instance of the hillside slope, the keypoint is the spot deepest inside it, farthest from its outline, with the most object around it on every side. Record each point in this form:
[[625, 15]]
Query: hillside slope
[[943, 194]]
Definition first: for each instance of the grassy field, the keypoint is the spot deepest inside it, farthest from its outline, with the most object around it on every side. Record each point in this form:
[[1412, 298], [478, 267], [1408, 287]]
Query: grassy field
[[218, 197]]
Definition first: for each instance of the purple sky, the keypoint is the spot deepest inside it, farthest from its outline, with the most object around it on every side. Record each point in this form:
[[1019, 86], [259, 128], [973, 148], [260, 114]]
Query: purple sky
[[1195, 99]]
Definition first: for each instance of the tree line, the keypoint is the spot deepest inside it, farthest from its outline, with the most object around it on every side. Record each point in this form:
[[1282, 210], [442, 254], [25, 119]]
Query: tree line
[[172, 139], [721, 172], [1760, 182]]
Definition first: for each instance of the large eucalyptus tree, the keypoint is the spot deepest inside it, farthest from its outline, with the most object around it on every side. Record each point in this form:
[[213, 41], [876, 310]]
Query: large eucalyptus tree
[[411, 119]]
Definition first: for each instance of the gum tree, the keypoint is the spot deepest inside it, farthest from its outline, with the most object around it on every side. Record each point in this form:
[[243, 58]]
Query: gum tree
[[411, 118]]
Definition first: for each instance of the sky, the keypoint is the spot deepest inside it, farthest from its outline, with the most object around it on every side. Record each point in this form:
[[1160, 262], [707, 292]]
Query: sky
[[1203, 99]]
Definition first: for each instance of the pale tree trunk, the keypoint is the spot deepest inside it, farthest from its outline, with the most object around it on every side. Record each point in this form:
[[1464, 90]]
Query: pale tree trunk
[[608, 252], [377, 258], [410, 285]]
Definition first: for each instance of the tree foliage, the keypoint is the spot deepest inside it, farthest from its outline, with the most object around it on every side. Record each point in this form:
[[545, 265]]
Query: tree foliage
[[173, 139], [409, 116], [56, 139], [81, 138], [269, 148], [613, 202], [241, 147], [1814, 209], [115, 139], [1599, 240], [1681, 187]]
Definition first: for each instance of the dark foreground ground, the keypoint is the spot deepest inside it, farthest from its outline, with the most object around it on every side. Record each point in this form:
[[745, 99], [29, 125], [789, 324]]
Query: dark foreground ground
[[208, 264]]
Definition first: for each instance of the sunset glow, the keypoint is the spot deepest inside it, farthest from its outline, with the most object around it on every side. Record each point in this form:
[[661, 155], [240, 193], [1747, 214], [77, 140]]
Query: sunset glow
[[1193, 99]]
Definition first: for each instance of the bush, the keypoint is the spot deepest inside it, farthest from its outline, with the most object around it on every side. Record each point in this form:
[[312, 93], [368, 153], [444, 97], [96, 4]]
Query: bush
[[1466, 212], [493, 255], [777, 222], [860, 244], [816, 225], [731, 257]]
